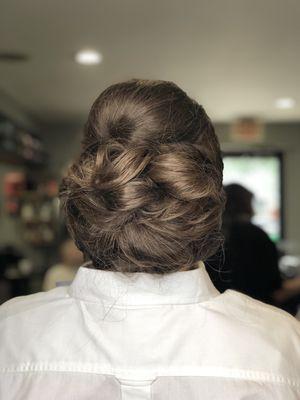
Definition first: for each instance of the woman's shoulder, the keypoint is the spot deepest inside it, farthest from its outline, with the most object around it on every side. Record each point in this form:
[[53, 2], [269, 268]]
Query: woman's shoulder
[[260, 336], [20, 305], [30, 323], [255, 311], [267, 324]]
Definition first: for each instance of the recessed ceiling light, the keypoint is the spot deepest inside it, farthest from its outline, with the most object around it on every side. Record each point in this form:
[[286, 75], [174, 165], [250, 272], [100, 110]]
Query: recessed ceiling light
[[285, 103], [88, 57]]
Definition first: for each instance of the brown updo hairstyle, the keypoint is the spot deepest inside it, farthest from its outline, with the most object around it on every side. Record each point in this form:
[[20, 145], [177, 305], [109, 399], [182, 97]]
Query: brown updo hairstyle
[[145, 194]]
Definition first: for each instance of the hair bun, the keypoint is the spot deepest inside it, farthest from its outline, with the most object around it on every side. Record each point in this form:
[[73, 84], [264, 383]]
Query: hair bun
[[146, 192]]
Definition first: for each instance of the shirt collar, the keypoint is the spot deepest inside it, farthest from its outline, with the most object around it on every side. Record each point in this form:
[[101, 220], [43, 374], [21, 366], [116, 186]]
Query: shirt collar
[[118, 289]]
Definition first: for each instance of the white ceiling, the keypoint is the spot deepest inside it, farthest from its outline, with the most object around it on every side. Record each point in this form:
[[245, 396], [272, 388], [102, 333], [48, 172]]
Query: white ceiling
[[234, 56]]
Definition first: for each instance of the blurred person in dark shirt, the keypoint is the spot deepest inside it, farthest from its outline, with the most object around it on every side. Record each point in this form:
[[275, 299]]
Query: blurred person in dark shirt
[[249, 260]]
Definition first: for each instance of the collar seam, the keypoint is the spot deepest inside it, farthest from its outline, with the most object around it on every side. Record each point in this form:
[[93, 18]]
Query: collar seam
[[184, 301]]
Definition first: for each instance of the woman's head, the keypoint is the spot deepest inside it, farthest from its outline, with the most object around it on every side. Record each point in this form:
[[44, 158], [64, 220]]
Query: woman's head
[[238, 203], [146, 191]]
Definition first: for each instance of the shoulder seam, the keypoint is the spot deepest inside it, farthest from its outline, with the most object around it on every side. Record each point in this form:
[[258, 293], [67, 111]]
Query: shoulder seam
[[221, 372]]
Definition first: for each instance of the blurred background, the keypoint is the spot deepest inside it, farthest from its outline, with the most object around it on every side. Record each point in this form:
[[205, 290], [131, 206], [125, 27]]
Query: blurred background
[[239, 58]]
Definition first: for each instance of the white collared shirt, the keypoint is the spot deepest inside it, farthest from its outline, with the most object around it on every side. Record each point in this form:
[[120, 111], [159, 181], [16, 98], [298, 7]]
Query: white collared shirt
[[110, 336]]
